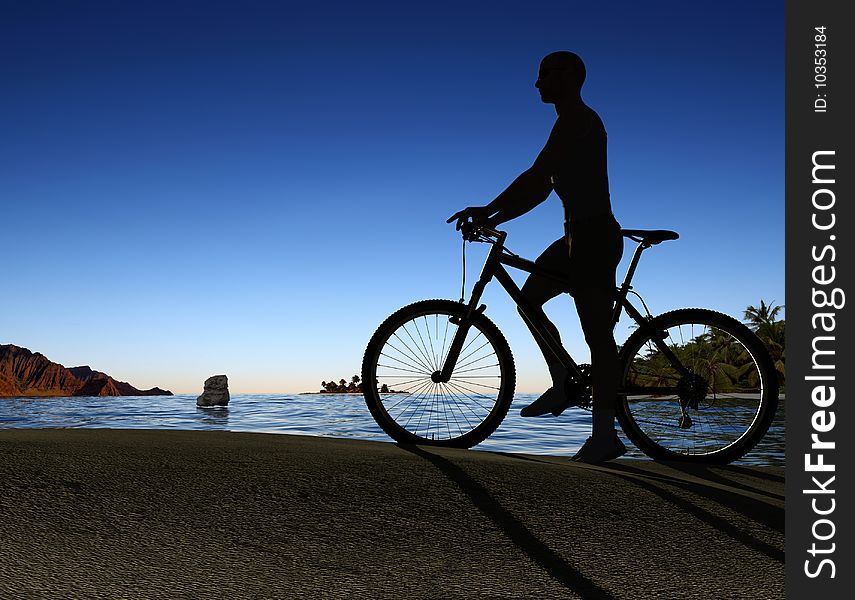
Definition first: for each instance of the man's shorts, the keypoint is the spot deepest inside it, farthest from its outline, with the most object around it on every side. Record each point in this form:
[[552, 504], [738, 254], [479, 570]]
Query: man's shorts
[[588, 255]]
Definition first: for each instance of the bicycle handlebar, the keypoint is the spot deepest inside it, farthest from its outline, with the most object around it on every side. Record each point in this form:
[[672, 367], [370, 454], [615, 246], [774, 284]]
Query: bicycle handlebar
[[474, 233], [477, 232]]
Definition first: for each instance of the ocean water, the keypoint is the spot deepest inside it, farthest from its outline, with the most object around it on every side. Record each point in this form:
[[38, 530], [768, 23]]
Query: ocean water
[[330, 415]]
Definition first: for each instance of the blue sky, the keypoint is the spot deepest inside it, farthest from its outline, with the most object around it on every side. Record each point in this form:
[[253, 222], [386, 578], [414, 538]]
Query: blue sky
[[250, 188]]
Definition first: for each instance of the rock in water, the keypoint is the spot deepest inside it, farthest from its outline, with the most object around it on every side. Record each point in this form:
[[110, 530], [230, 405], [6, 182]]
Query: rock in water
[[216, 392]]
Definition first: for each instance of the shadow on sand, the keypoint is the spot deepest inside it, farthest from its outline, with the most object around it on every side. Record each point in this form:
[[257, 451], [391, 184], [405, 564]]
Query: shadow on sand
[[516, 531], [668, 481], [768, 513]]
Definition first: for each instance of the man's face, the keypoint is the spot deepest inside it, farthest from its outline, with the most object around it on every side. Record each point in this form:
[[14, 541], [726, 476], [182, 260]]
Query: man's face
[[552, 81]]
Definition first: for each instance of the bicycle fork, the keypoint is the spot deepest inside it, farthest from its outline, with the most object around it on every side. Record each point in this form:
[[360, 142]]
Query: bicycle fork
[[493, 268], [444, 375]]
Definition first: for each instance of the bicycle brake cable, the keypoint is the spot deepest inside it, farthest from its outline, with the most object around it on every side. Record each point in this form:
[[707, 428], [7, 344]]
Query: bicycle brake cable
[[463, 285], [643, 303]]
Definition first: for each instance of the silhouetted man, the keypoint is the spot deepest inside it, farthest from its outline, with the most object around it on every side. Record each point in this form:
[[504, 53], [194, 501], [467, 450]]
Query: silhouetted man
[[573, 163]]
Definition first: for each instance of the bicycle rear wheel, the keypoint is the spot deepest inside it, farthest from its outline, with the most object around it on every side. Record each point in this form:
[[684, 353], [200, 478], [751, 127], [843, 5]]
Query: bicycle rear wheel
[[698, 385], [408, 348]]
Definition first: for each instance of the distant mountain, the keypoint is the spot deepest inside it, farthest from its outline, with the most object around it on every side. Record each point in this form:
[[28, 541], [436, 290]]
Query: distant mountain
[[25, 373]]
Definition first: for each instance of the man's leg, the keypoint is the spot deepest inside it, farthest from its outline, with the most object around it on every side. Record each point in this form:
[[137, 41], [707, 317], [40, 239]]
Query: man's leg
[[538, 291], [595, 307]]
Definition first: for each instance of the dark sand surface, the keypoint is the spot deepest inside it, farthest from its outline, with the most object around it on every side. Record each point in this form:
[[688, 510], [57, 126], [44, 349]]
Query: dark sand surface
[[205, 514]]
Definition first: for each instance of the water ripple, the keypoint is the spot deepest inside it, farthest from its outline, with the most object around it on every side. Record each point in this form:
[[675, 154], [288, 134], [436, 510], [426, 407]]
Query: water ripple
[[329, 415]]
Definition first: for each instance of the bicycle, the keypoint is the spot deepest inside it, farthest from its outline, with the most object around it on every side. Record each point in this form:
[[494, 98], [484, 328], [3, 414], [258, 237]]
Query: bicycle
[[696, 385]]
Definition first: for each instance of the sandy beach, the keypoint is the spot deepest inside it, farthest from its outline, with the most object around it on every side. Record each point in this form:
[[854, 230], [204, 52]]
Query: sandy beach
[[101, 513]]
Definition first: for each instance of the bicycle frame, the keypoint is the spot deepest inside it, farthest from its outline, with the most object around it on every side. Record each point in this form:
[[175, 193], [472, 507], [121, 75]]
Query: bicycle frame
[[494, 267]]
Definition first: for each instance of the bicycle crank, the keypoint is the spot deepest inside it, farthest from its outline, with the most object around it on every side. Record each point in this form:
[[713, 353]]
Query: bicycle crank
[[575, 393]]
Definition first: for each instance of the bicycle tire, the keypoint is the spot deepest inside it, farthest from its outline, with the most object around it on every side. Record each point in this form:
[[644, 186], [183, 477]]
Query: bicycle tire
[[408, 347], [732, 384]]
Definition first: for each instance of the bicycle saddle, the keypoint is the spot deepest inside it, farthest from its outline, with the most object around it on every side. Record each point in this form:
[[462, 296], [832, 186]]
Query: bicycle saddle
[[650, 236]]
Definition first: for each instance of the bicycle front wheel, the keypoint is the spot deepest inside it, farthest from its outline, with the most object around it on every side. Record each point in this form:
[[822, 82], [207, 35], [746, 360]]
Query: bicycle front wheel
[[698, 385], [408, 348]]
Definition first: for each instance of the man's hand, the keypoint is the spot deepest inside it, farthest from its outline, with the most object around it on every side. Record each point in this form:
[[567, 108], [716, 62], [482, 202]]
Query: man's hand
[[477, 215]]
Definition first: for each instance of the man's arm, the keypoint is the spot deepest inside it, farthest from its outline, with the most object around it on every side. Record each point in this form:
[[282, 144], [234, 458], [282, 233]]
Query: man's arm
[[528, 190], [524, 193], [533, 185]]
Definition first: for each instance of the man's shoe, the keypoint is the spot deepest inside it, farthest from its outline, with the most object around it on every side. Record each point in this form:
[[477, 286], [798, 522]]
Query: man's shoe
[[593, 452], [550, 401]]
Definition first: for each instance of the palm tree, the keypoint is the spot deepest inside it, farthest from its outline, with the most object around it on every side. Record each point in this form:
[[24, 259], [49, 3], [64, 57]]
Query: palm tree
[[717, 357], [763, 321], [765, 314]]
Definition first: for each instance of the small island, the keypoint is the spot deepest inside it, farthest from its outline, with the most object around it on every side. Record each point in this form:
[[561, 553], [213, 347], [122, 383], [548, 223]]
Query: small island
[[354, 386], [342, 387]]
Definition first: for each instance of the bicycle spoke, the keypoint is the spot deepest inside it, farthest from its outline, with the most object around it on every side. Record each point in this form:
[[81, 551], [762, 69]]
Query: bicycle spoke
[[459, 388], [392, 400], [476, 383], [472, 341], [430, 339], [418, 399], [461, 364], [481, 347], [476, 369], [416, 344], [426, 353], [447, 401], [657, 423], [463, 407], [406, 364], [403, 383], [466, 401], [412, 354], [423, 359], [406, 397], [400, 369], [430, 400], [426, 335]]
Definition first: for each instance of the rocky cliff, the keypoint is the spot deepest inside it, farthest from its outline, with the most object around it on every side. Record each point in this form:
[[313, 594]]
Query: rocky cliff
[[25, 373]]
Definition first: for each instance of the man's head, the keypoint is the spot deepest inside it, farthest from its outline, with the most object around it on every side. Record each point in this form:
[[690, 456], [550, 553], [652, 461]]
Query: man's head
[[560, 77]]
